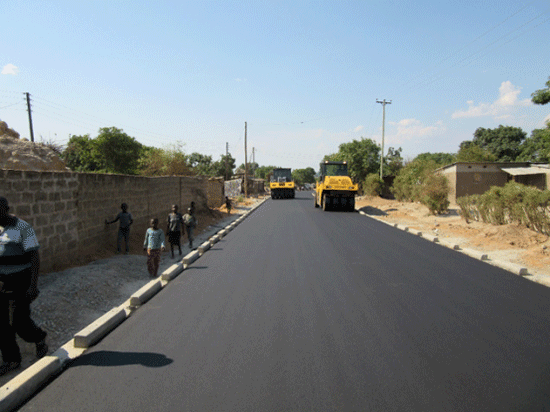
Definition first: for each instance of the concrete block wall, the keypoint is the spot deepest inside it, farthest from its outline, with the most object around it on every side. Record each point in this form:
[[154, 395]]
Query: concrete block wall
[[47, 201], [68, 210], [216, 195]]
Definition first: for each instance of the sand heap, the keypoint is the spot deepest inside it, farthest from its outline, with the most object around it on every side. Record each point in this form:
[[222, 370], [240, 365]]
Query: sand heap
[[20, 154]]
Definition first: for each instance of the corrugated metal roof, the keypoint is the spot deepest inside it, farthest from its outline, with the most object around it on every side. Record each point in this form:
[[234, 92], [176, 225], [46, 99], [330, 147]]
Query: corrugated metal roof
[[521, 171]]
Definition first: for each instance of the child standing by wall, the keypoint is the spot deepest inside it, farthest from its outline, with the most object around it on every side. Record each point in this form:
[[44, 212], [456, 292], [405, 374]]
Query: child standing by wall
[[228, 205], [125, 219], [174, 228], [190, 222], [154, 244]]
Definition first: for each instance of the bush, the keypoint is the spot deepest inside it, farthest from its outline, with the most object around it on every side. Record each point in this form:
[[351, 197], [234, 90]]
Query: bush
[[418, 181], [513, 203], [434, 193], [407, 185], [373, 185]]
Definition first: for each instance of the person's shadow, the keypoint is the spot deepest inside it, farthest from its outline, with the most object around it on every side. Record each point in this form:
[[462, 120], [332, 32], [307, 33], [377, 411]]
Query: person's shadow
[[111, 358]]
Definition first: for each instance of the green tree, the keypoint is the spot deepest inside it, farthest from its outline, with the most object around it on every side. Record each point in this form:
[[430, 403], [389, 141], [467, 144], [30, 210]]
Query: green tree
[[201, 164], [252, 167], [170, 161], [504, 142], [219, 168], [78, 155], [302, 176], [442, 159], [542, 96], [362, 156], [407, 185], [263, 172], [471, 152], [536, 148], [393, 162], [116, 152]]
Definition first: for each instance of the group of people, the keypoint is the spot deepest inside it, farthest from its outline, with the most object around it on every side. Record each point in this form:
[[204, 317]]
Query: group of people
[[154, 243], [20, 264]]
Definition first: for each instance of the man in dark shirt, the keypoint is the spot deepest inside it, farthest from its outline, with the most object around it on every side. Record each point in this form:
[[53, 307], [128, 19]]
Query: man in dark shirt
[[19, 266]]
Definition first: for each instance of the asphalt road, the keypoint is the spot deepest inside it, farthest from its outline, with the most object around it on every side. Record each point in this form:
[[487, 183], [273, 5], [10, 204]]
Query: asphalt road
[[303, 310]]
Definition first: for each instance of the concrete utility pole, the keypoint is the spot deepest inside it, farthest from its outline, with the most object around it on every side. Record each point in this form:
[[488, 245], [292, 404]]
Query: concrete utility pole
[[383, 103], [245, 165], [30, 116]]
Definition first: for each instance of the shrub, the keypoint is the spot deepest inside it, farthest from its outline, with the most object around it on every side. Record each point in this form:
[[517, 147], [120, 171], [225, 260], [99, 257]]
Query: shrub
[[407, 185], [513, 203], [373, 185], [434, 193]]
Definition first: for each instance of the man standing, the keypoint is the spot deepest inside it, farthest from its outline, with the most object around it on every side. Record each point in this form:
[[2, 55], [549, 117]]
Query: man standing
[[19, 266]]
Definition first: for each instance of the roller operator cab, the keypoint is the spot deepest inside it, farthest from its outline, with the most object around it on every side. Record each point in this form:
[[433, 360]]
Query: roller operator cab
[[281, 184], [334, 189]]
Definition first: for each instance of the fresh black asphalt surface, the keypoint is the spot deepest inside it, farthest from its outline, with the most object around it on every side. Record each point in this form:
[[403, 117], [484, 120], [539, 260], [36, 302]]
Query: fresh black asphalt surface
[[303, 310]]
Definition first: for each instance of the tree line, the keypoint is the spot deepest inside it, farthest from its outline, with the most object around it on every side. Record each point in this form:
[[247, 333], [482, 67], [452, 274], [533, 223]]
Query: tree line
[[114, 151]]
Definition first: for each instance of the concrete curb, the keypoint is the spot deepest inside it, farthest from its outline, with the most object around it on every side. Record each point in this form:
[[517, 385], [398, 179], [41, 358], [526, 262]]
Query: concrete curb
[[26, 383], [203, 248], [475, 254], [99, 328], [145, 293], [16, 391], [172, 272], [509, 266], [190, 258]]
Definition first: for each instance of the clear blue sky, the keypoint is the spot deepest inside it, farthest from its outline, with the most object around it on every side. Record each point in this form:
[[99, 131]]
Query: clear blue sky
[[304, 75]]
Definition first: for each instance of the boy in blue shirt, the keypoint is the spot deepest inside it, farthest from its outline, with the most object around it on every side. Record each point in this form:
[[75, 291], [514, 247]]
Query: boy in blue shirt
[[154, 245]]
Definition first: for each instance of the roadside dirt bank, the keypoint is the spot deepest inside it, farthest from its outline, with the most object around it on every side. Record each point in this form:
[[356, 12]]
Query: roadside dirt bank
[[512, 243]]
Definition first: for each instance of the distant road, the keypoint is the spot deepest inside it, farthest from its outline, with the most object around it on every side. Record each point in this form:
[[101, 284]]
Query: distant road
[[303, 310]]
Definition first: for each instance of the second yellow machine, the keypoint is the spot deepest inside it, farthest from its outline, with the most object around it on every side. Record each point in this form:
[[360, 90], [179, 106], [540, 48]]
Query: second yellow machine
[[281, 184], [334, 189]]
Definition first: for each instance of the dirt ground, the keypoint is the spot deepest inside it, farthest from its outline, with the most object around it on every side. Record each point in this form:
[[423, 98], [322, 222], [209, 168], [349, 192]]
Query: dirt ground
[[512, 243]]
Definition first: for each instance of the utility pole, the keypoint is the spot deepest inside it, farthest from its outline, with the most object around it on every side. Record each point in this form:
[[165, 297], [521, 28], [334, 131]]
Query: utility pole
[[30, 116], [383, 103], [226, 161], [245, 165]]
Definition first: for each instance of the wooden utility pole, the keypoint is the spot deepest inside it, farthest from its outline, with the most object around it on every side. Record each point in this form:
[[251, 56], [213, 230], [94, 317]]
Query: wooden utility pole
[[245, 165], [383, 103], [30, 116]]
